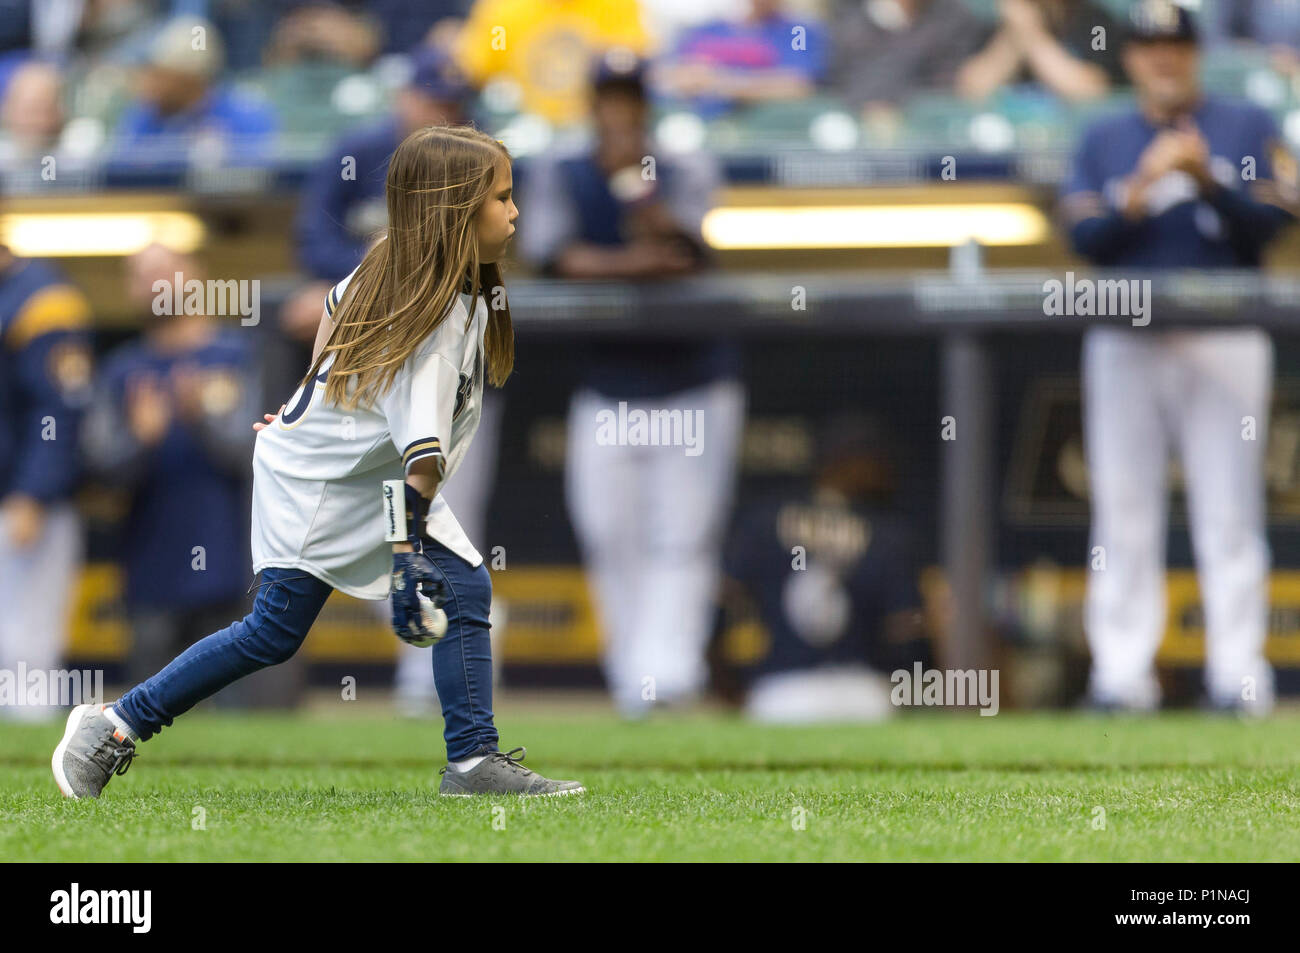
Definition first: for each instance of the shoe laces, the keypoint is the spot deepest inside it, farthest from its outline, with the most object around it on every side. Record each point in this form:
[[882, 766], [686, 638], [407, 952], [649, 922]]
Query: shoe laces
[[114, 759], [508, 758]]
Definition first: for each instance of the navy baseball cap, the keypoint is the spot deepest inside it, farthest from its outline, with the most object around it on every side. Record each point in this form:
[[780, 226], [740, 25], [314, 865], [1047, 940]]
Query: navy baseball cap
[[1152, 21], [435, 75], [619, 66]]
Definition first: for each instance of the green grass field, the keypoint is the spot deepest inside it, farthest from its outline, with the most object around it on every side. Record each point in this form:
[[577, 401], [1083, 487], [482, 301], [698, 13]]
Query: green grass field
[[687, 787]]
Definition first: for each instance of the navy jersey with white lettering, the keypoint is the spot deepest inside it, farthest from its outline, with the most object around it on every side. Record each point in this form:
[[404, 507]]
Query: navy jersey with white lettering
[[824, 575], [1226, 227]]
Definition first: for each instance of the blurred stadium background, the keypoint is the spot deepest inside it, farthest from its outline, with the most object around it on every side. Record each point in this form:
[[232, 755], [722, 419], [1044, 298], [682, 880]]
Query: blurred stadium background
[[909, 316]]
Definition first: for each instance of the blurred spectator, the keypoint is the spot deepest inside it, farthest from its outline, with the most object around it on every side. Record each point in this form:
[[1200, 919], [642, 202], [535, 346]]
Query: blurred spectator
[[1271, 24], [1266, 22], [31, 115], [183, 111], [347, 31], [118, 30], [549, 46], [324, 32], [246, 26], [759, 57], [344, 31], [408, 22], [45, 373], [666, 20], [342, 207], [834, 578], [887, 50], [170, 424], [57, 28], [648, 518], [19, 30], [1165, 186], [85, 48], [1067, 47]]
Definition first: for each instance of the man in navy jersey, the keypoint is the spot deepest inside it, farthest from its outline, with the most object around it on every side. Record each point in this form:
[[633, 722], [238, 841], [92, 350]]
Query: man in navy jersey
[[833, 576], [648, 510], [1184, 181], [45, 374]]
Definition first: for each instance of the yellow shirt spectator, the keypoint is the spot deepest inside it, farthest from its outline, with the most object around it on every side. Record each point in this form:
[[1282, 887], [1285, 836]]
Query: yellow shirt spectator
[[547, 47]]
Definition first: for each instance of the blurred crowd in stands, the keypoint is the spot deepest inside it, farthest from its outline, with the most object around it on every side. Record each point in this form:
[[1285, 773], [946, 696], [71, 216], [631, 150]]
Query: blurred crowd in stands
[[166, 81]]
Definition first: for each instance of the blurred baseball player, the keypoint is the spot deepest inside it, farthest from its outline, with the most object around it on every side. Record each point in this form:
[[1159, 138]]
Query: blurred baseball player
[[648, 518], [847, 610], [45, 375], [1185, 180]]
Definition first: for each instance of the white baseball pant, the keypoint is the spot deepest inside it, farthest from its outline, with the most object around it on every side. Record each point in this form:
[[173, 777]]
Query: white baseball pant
[[37, 585], [1145, 394], [649, 521]]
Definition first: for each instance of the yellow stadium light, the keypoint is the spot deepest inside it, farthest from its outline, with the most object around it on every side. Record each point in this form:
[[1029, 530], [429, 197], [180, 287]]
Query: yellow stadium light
[[76, 234], [874, 226]]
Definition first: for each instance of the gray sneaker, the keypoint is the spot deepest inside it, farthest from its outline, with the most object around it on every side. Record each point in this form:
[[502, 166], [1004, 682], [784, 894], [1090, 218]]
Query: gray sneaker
[[91, 752], [501, 773]]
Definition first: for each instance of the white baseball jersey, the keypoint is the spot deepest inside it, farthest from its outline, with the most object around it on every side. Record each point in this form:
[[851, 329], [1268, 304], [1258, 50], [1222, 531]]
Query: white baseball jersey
[[318, 470]]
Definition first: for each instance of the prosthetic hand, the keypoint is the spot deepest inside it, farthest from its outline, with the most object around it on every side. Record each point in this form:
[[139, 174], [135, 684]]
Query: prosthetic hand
[[417, 587], [417, 591]]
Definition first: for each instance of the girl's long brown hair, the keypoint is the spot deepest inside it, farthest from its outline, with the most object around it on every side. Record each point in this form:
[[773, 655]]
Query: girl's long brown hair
[[438, 179]]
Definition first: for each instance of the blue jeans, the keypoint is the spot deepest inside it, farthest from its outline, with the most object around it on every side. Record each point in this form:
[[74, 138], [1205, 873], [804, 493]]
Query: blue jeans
[[287, 603]]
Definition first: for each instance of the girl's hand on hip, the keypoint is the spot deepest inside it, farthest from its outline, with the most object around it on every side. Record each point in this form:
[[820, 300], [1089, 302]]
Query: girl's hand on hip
[[269, 418]]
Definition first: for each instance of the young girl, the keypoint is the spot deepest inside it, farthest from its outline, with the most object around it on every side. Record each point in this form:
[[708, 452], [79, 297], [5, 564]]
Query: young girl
[[393, 393]]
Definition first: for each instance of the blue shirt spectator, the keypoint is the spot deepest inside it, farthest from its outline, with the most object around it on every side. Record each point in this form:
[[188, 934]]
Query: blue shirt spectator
[[184, 113], [766, 56], [244, 125]]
